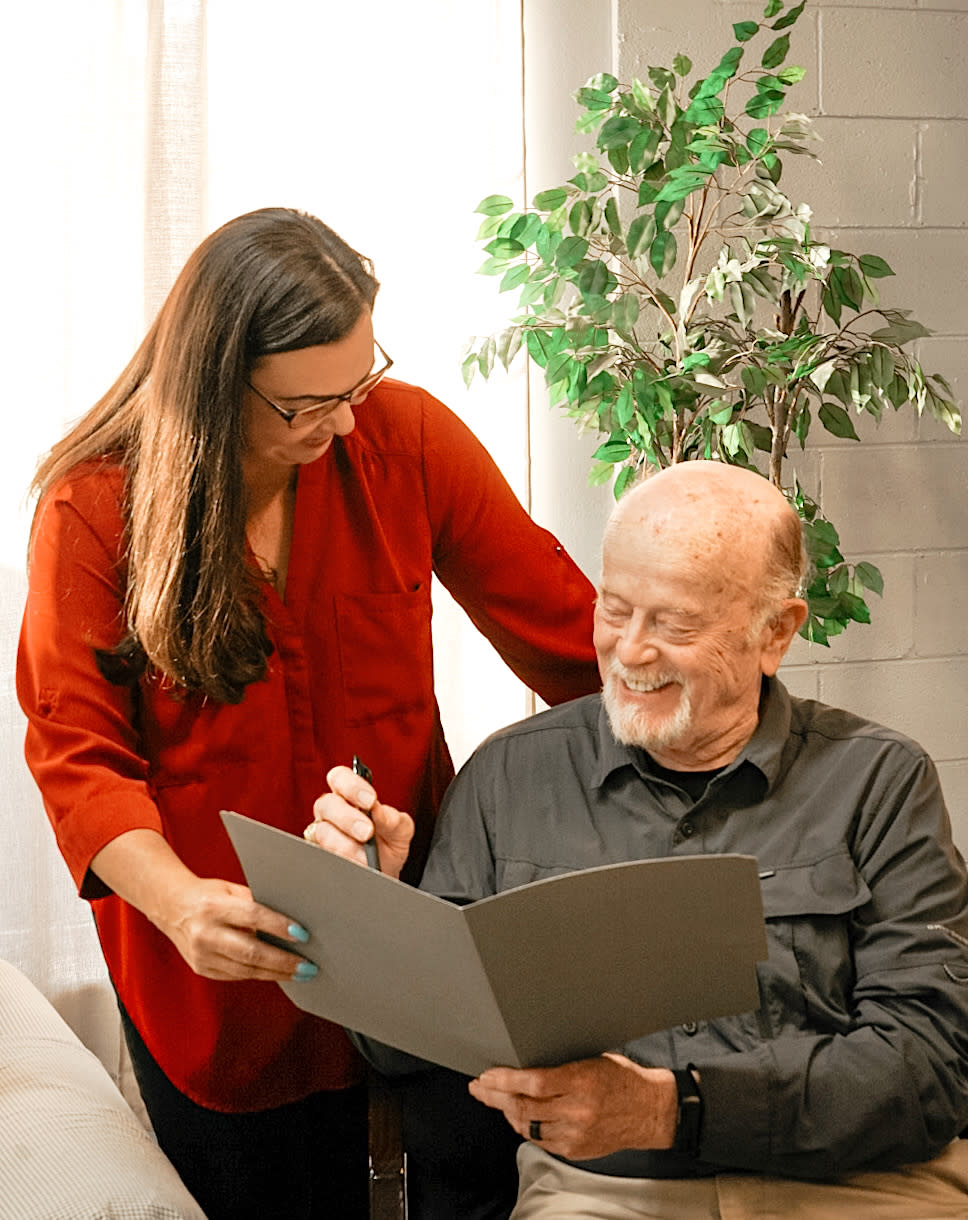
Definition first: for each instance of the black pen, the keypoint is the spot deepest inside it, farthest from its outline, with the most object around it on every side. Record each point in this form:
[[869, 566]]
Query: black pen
[[372, 855]]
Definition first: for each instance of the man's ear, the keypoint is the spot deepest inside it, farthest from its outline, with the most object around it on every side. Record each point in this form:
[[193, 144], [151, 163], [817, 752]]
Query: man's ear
[[779, 632]]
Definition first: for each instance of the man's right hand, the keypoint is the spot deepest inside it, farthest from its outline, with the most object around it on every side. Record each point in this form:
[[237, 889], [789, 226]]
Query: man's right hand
[[350, 814]]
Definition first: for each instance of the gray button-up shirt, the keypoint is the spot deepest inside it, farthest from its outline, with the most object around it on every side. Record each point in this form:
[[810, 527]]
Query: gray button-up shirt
[[857, 1057]]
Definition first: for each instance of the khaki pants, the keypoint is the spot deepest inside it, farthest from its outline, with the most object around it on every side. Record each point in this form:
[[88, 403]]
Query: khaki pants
[[936, 1190]]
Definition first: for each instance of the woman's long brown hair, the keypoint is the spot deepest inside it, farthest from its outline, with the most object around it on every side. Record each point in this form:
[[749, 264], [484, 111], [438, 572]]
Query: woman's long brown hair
[[270, 281]]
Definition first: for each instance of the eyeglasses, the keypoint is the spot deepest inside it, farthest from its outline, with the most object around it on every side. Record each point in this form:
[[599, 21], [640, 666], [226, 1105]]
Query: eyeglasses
[[306, 417]]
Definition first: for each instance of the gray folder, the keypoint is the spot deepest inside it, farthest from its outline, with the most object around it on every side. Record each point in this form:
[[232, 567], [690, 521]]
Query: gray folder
[[557, 970]]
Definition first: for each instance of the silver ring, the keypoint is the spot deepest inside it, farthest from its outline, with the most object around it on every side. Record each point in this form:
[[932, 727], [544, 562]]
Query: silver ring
[[534, 1130]]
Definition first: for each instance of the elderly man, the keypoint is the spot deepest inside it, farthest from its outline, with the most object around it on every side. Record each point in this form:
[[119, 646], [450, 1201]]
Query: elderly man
[[843, 1094]]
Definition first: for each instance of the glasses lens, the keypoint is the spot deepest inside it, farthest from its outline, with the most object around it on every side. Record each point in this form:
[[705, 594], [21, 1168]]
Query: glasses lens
[[312, 415]]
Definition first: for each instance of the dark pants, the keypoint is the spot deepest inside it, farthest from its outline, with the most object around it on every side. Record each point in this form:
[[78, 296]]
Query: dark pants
[[305, 1161], [460, 1154]]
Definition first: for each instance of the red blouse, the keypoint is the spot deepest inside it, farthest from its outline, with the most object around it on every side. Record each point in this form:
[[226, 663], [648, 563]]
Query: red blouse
[[408, 493]]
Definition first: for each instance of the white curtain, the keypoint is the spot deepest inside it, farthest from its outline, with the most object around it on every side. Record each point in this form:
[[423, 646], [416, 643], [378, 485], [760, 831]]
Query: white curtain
[[136, 126]]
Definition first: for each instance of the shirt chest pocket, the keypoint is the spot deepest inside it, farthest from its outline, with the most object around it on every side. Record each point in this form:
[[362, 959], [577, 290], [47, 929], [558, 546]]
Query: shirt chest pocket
[[385, 652], [809, 977]]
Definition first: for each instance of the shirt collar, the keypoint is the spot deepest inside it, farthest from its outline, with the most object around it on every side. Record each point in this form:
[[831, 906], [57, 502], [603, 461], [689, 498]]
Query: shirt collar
[[764, 749]]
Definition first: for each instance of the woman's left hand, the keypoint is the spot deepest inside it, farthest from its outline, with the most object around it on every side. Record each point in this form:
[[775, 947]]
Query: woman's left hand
[[350, 814]]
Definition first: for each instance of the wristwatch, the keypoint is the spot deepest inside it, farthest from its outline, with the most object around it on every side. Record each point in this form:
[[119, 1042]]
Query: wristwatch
[[690, 1111]]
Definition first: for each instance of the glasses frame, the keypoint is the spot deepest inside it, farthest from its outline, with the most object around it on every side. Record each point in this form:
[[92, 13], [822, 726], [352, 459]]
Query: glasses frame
[[327, 405]]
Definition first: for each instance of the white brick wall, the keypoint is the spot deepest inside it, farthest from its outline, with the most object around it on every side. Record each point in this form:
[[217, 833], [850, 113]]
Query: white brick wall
[[886, 84]]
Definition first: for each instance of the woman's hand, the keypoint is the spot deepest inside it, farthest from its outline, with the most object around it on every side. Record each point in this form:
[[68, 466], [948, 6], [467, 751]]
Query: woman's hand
[[214, 925], [349, 815]]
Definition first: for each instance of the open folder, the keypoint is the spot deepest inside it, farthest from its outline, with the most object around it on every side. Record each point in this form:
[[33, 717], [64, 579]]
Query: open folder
[[560, 969]]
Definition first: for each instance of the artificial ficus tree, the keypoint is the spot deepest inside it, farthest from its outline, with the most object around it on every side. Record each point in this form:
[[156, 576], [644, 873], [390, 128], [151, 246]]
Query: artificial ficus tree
[[677, 302]]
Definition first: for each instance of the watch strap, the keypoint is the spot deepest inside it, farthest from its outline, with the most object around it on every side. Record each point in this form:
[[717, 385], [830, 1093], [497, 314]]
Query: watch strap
[[690, 1111]]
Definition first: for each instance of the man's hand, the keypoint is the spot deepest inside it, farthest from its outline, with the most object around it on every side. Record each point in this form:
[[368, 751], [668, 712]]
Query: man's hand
[[586, 1109], [350, 814]]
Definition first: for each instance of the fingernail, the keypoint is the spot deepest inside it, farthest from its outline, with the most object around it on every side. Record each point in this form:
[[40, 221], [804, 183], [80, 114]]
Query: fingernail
[[363, 831], [298, 932], [305, 970], [364, 799]]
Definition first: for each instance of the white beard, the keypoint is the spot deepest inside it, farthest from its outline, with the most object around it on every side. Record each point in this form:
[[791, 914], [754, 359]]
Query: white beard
[[635, 726]]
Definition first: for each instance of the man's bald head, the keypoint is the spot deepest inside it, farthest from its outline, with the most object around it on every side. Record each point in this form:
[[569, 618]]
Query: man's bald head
[[726, 520]]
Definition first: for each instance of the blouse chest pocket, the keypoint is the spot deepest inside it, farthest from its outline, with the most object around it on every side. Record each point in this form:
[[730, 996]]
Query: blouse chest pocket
[[385, 652], [808, 979]]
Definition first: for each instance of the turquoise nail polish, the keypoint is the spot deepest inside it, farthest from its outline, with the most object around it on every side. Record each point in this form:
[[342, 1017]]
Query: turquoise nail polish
[[305, 970], [298, 932]]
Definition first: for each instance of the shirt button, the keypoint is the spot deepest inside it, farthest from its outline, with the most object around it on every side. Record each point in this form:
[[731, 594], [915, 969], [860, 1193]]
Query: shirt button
[[690, 1028], [687, 830]]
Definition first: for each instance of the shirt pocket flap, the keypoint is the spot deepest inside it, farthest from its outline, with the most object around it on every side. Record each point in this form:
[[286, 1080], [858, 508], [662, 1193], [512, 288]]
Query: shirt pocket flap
[[831, 886]]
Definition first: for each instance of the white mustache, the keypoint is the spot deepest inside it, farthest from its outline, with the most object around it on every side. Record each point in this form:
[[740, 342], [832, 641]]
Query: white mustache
[[643, 681]]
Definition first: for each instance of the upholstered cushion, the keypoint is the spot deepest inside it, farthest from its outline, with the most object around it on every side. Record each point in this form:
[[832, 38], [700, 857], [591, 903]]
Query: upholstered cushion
[[70, 1147]]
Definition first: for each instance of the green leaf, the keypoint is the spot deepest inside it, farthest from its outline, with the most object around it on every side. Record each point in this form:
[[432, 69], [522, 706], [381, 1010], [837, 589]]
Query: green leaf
[[662, 78], [851, 287], [613, 451], [772, 8], [738, 438], [757, 140], [515, 277], [790, 17], [682, 65], [643, 148], [744, 30], [855, 607], [547, 201], [625, 477], [618, 158], [570, 253], [642, 95], [493, 266], [705, 111], [468, 368], [764, 104], [504, 247], [580, 217], [662, 253], [870, 577], [641, 233], [791, 76], [618, 131], [882, 367], [593, 99], [596, 280], [836, 420], [873, 266], [612, 217], [495, 205], [681, 184], [754, 379], [776, 52], [722, 415], [625, 405], [543, 344], [602, 80], [625, 312], [730, 62], [667, 212], [647, 193], [900, 332]]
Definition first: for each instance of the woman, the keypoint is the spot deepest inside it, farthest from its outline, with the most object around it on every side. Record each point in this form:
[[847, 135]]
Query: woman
[[229, 593]]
